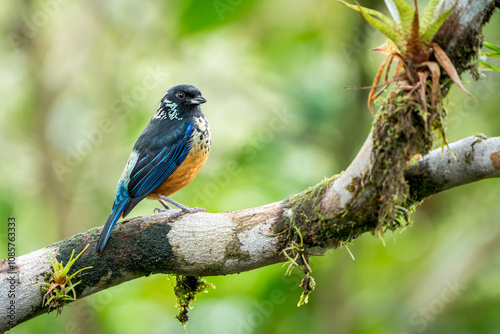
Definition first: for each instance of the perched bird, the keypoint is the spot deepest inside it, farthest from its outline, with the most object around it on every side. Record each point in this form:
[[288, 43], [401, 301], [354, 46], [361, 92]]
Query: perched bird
[[169, 153]]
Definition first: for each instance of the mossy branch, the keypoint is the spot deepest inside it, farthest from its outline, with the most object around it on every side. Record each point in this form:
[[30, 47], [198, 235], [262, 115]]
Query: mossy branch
[[204, 244]]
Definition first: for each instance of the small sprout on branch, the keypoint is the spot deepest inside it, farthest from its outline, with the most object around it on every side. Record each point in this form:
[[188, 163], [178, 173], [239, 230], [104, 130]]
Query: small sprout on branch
[[344, 244], [297, 256], [60, 290], [296, 251]]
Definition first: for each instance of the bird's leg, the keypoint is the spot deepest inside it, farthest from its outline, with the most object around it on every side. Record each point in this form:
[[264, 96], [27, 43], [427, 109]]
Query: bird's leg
[[184, 209], [165, 205]]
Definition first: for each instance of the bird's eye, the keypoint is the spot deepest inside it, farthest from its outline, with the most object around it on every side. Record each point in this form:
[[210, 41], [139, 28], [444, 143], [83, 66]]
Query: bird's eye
[[180, 95]]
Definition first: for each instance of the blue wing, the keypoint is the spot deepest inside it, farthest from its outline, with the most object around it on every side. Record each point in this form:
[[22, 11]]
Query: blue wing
[[154, 167], [144, 172]]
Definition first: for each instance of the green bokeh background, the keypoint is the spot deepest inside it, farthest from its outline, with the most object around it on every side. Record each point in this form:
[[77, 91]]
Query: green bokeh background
[[81, 79]]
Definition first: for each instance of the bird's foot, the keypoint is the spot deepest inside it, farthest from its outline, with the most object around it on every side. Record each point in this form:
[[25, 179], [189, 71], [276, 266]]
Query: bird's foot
[[184, 209], [165, 205], [157, 210]]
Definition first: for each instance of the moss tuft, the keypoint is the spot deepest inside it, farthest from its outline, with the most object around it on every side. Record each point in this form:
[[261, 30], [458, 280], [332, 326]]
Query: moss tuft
[[186, 288]]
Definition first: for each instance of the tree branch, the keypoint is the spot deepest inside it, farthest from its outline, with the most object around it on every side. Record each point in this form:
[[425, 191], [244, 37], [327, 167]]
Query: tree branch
[[474, 158], [204, 244]]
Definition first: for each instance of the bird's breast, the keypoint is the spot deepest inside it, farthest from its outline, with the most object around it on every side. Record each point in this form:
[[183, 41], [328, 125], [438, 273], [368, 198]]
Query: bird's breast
[[192, 164]]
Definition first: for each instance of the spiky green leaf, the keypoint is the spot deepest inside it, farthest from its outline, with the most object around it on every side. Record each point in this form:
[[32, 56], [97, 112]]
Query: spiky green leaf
[[491, 46], [382, 23], [489, 66], [71, 277], [406, 14], [394, 32], [492, 54], [71, 261], [431, 31], [386, 20], [428, 15]]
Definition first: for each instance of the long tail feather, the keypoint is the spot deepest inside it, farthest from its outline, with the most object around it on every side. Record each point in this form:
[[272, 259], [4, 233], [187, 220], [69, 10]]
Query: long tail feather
[[110, 223]]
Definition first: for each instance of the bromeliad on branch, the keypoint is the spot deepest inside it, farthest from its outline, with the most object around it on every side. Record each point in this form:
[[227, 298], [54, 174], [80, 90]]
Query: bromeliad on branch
[[412, 116], [410, 44]]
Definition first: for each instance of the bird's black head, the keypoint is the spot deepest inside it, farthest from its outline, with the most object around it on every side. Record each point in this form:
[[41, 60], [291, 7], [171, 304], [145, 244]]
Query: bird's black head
[[180, 102]]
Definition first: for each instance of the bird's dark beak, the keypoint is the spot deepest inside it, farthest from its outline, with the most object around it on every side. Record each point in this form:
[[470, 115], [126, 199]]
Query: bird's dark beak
[[197, 100]]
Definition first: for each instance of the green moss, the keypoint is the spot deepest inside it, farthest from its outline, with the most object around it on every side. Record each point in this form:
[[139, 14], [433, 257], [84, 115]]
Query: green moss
[[308, 285], [233, 250], [186, 288], [353, 186], [298, 224], [212, 269], [467, 157], [302, 211], [420, 190], [402, 129]]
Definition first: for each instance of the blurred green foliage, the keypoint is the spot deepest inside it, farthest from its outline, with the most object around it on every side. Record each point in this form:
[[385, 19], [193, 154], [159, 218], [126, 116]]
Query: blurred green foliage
[[79, 82]]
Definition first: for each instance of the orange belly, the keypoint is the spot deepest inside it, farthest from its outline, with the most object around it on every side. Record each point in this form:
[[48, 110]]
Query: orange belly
[[183, 175]]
